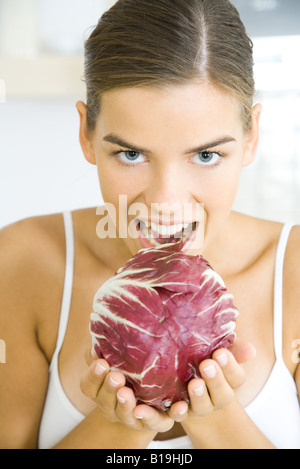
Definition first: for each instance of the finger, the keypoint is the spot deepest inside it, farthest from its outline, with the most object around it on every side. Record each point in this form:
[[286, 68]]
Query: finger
[[243, 351], [92, 382], [233, 372], [200, 402], [152, 419], [178, 411], [107, 396], [221, 393], [125, 405]]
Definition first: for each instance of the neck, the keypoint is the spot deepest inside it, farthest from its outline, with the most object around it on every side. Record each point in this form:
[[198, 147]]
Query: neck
[[219, 246]]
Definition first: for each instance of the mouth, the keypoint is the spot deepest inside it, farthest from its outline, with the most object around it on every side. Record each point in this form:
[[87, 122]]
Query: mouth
[[153, 235]]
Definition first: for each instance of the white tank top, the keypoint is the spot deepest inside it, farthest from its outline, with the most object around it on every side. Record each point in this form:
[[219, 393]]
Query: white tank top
[[275, 411]]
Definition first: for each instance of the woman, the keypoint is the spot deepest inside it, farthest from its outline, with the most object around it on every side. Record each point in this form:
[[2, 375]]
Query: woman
[[169, 119]]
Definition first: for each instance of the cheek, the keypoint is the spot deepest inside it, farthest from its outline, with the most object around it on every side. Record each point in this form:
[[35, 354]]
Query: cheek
[[111, 182], [117, 184], [221, 189]]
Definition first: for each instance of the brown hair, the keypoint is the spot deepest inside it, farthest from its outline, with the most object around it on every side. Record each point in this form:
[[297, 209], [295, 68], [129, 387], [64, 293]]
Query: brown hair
[[148, 42]]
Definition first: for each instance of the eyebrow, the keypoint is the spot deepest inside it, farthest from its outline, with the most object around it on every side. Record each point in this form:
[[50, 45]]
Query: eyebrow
[[112, 138], [115, 139]]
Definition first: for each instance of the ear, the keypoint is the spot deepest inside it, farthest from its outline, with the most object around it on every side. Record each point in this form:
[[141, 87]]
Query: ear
[[252, 138], [85, 137]]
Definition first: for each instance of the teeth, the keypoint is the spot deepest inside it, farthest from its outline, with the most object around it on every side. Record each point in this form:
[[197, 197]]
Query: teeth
[[167, 230], [164, 230]]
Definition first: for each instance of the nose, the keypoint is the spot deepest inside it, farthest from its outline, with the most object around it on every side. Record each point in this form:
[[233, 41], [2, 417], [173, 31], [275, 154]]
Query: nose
[[168, 191]]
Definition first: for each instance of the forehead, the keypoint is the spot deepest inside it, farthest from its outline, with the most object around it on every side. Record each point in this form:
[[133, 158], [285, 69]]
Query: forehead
[[178, 110]]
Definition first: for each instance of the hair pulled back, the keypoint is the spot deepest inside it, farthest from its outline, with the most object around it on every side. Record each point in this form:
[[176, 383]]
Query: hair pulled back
[[148, 42]]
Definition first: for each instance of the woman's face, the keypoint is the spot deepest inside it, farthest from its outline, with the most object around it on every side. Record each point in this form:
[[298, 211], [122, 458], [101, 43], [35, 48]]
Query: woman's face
[[175, 153]]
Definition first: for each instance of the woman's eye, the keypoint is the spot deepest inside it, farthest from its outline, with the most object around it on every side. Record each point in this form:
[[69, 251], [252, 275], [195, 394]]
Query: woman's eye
[[207, 158], [130, 157]]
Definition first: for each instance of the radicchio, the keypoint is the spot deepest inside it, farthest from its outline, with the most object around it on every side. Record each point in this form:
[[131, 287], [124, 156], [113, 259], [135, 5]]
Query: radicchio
[[158, 318]]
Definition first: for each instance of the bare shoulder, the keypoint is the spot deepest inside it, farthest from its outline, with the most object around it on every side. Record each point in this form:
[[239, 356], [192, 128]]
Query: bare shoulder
[[32, 253], [292, 279], [256, 239], [31, 272], [266, 230], [29, 246], [293, 247], [292, 303], [28, 236], [292, 263], [262, 240]]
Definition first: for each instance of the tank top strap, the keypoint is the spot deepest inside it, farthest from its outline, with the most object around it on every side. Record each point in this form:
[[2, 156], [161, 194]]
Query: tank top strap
[[278, 289], [68, 283]]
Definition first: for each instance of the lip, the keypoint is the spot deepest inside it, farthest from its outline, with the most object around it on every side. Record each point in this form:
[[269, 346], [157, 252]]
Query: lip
[[187, 245], [144, 242]]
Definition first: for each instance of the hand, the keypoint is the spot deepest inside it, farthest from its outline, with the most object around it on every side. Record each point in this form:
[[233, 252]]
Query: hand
[[117, 402], [221, 376]]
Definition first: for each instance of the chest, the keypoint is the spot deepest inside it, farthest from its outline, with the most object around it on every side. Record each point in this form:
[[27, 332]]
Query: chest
[[253, 293]]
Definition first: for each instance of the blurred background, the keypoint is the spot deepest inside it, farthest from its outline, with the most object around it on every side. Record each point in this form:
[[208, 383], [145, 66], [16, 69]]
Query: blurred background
[[42, 169]]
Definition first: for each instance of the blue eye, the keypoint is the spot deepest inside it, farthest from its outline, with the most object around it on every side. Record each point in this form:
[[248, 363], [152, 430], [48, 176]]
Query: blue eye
[[131, 157], [207, 158]]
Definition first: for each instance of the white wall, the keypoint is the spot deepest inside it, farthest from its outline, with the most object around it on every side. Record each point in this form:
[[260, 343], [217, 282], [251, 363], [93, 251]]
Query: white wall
[[270, 188], [42, 169]]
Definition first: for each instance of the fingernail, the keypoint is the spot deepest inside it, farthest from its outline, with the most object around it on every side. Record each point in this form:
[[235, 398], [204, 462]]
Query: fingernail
[[199, 390], [99, 369], [113, 382], [138, 417], [210, 371], [121, 399], [222, 359], [181, 412]]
